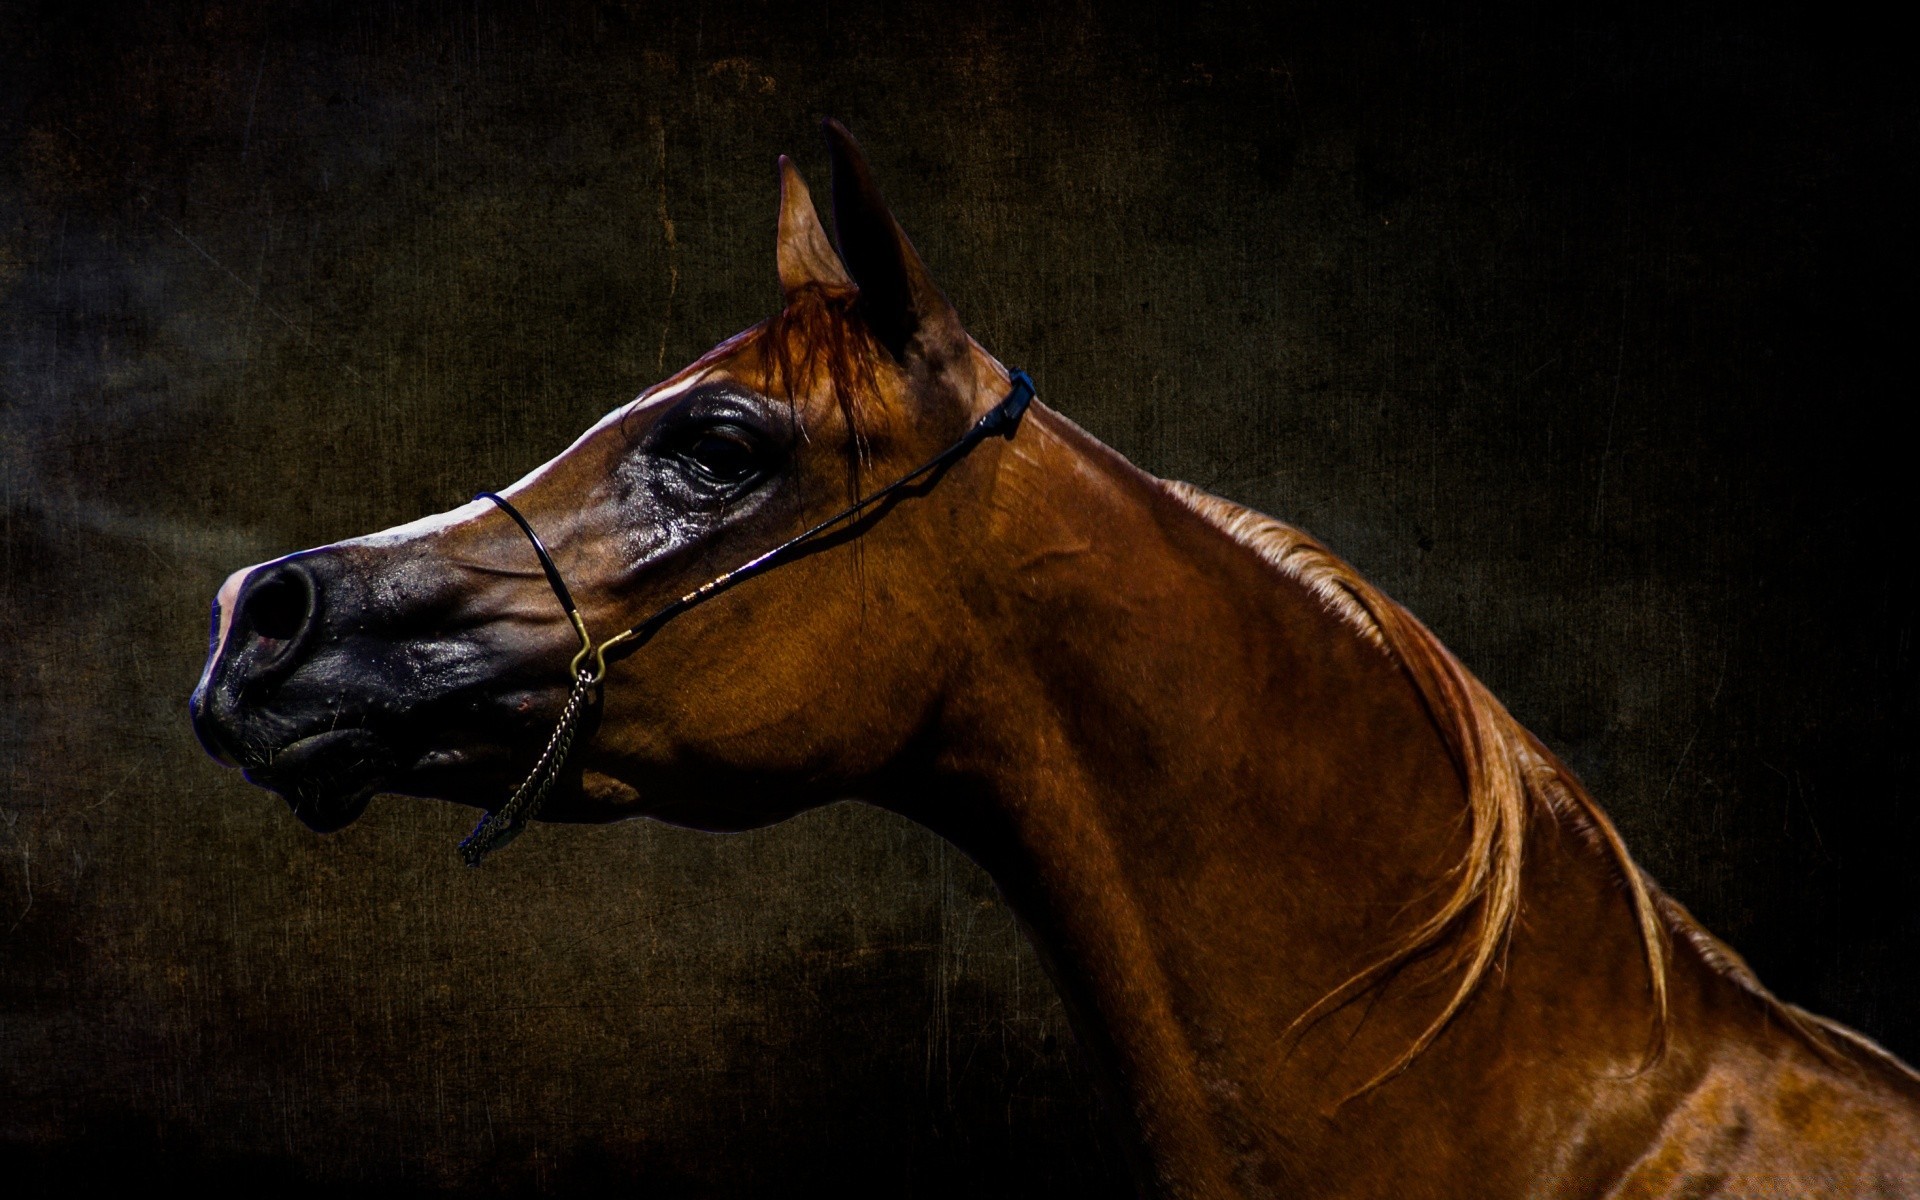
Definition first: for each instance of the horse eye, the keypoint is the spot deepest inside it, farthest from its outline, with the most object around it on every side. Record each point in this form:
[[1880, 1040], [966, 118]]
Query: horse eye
[[723, 454]]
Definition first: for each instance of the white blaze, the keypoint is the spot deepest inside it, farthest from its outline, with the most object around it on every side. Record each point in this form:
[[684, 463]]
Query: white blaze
[[227, 598]]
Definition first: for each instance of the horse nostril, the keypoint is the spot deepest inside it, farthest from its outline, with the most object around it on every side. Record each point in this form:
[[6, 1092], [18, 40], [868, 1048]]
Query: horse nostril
[[273, 618], [263, 619], [279, 607]]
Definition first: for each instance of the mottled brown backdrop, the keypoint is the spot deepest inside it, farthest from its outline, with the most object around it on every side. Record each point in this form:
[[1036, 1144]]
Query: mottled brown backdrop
[[1576, 332]]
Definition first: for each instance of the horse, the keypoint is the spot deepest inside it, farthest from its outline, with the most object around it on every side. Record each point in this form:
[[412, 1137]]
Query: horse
[[1326, 919]]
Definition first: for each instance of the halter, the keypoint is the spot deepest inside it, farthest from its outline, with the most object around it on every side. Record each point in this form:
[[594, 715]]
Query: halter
[[589, 667]]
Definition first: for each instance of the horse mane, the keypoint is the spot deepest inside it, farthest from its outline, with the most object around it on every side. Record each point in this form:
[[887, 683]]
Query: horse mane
[[1508, 776]]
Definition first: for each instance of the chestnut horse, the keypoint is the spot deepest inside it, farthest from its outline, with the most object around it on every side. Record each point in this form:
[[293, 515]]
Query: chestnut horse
[[1327, 920]]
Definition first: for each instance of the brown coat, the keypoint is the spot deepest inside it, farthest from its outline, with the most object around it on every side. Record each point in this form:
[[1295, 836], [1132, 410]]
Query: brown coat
[[1329, 921]]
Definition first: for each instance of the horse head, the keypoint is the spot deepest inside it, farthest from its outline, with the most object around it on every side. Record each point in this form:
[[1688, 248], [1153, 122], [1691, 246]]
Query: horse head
[[430, 659]]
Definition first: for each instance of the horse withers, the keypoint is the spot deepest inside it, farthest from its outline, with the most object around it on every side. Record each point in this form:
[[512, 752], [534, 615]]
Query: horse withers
[[1270, 837]]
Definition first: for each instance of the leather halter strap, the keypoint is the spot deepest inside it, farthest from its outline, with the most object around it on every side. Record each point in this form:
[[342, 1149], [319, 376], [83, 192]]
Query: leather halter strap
[[589, 667]]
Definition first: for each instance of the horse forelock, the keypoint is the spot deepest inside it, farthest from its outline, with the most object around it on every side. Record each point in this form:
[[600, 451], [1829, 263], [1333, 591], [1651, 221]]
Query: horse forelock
[[819, 339]]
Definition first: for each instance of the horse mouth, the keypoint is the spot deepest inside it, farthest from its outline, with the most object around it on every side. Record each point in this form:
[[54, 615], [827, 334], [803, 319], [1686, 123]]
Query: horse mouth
[[326, 778]]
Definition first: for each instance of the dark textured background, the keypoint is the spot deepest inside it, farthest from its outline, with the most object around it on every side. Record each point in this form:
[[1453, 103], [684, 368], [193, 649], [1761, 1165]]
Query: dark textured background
[[1576, 333]]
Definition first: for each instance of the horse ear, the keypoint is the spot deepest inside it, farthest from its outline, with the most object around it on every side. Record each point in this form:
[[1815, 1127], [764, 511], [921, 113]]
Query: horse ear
[[898, 299], [804, 254]]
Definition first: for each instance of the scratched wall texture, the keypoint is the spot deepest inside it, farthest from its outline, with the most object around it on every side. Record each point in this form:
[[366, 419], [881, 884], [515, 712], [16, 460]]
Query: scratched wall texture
[[1573, 332]]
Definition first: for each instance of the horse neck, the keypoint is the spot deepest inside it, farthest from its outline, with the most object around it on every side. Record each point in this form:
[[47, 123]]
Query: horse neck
[[1211, 801]]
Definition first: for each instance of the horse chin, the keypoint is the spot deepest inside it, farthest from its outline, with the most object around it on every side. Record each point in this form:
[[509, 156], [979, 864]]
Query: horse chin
[[326, 779], [331, 813]]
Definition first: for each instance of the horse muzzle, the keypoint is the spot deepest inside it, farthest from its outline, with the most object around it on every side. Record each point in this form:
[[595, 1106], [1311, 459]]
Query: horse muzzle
[[339, 672], [268, 703]]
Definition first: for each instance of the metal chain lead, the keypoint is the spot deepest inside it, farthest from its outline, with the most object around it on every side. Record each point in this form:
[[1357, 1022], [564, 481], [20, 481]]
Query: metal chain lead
[[503, 824]]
